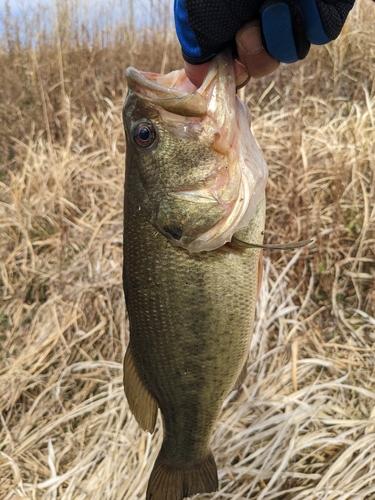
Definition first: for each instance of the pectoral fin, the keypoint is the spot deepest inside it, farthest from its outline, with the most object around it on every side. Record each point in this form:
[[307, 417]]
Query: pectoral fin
[[285, 246], [141, 403]]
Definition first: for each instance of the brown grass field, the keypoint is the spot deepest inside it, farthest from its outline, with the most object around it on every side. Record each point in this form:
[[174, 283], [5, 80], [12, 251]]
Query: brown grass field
[[303, 425]]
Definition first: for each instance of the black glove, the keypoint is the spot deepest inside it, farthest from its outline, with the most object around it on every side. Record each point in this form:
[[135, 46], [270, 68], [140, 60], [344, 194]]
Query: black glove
[[206, 27]]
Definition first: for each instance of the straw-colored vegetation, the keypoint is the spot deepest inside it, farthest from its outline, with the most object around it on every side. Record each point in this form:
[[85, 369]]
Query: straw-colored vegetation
[[303, 425]]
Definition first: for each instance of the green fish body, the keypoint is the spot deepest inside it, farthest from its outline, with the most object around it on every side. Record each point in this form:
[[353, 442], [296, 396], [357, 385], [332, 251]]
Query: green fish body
[[194, 179]]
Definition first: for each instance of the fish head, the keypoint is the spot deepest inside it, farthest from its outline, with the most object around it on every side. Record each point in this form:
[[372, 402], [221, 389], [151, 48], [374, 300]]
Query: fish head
[[200, 169]]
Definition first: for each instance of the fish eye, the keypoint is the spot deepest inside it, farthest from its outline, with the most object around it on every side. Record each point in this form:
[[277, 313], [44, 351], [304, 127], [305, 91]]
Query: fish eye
[[144, 134]]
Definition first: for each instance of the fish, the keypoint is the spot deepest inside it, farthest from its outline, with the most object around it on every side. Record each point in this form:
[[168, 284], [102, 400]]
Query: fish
[[194, 214]]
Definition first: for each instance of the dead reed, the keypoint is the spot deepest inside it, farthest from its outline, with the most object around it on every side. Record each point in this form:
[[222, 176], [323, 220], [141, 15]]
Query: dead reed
[[303, 425]]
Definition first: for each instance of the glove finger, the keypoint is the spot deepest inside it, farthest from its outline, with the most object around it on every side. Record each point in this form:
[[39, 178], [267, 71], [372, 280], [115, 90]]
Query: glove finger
[[324, 18], [283, 30], [333, 15], [315, 32]]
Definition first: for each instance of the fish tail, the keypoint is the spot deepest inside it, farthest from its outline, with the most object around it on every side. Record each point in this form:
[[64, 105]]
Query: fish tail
[[172, 483]]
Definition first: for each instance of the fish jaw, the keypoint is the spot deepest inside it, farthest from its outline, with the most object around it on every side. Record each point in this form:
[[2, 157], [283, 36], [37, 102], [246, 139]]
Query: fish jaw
[[203, 213]]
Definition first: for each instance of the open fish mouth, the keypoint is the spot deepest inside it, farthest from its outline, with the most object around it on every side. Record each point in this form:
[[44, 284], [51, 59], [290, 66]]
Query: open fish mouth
[[226, 195], [173, 92]]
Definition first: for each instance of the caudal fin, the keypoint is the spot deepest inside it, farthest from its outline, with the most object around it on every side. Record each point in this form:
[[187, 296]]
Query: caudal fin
[[170, 483]]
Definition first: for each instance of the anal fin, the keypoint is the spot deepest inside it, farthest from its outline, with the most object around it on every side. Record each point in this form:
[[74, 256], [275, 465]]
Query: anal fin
[[172, 483], [141, 403]]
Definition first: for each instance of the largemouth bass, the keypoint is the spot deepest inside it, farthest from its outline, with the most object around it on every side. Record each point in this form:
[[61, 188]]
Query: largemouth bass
[[194, 190]]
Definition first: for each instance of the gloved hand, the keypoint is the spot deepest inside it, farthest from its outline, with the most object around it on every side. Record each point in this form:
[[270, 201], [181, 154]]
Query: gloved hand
[[287, 27]]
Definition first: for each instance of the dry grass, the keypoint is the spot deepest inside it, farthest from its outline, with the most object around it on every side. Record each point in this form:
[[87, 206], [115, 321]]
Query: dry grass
[[303, 425]]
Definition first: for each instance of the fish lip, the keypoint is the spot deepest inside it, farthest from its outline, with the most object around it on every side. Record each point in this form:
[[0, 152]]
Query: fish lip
[[171, 99], [180, 102], [144, 79]]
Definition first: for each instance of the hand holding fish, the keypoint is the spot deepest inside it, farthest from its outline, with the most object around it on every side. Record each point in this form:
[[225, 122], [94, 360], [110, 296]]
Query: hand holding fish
[[261, 33]]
